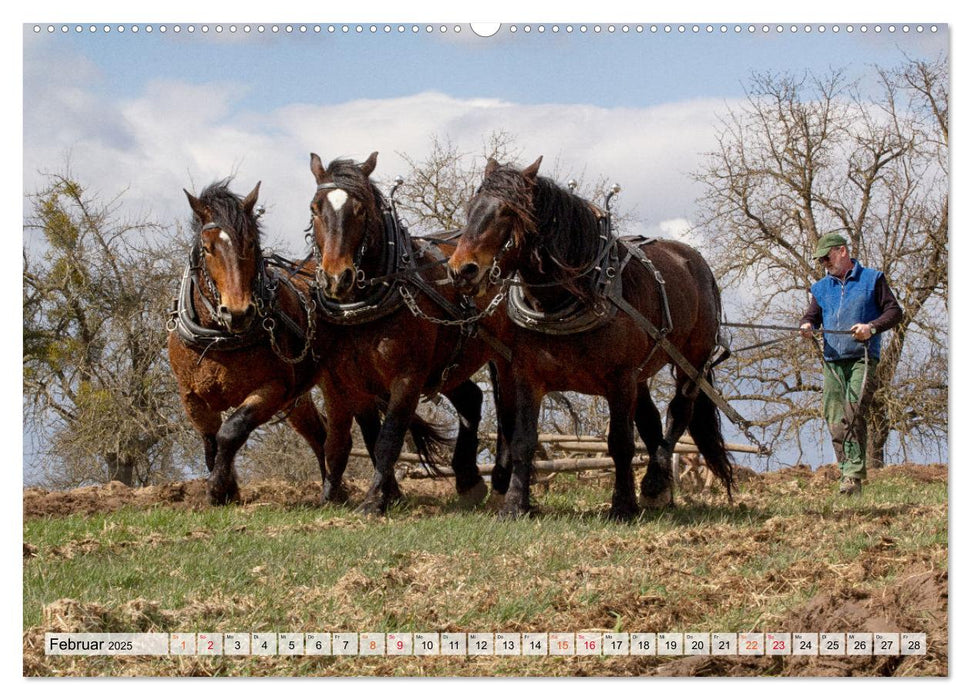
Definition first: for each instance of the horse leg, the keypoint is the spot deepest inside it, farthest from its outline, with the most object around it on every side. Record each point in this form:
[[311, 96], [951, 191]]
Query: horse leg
[[252, 413], [505, 418], [206, 422], [405, 393], [648, 421], [656, 490], [334, 490], [304, 418], [620, 443], [467, 399], [210, 448], [337, 450], [525, 435]]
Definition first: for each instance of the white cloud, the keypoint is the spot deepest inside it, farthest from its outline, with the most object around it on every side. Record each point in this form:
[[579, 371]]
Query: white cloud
[[177, 135]]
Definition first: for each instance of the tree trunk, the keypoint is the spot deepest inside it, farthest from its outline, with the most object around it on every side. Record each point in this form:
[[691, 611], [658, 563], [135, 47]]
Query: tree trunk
[[878, 430], [121, 469]]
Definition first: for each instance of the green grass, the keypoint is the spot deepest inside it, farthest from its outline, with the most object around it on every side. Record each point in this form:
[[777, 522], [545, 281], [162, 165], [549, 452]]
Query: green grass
[[705, 565]]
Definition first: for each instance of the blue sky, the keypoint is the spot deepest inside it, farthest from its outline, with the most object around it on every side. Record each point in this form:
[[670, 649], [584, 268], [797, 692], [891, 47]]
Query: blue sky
[[155, 112], [616, 69]]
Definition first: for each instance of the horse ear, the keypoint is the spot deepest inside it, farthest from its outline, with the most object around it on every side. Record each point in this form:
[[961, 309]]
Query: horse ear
[[491, 165], [197, 206], [368, 166], [250, 201], [317, 167], [530, 172]]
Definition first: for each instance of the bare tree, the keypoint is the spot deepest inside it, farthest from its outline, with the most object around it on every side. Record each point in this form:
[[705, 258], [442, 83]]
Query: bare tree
[[812, 154], [97, 388]]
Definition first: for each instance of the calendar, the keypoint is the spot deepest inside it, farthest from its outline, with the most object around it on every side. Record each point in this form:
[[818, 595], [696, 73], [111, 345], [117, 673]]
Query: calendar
[[477, 644]]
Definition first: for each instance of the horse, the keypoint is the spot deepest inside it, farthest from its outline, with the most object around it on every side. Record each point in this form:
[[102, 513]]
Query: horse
[[532, 233], [243, 335], [395, 335]]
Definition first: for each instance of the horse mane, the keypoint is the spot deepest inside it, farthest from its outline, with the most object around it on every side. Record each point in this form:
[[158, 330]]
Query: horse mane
[[347, 175], [566, 227], [560, 232], [226, 209]]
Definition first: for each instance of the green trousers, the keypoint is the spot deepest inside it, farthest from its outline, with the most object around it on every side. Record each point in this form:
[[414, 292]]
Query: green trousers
[[845, 403]]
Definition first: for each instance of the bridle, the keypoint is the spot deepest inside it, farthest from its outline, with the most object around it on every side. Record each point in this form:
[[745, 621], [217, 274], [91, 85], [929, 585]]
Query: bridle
[[258, 287], [361, 249]]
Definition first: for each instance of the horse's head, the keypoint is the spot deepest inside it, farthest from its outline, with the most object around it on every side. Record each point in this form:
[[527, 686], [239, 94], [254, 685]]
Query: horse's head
[[499, 218], [229, 250], [345, 212]]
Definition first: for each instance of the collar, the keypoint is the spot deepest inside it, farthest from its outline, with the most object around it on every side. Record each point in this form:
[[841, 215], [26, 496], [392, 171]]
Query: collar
[[852, 273]]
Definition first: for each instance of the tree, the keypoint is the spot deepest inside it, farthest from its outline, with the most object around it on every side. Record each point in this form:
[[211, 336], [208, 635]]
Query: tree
[[97, 387], [808, 155]]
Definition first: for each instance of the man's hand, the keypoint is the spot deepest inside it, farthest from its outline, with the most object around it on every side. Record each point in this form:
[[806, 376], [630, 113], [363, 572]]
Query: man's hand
[[862, 331], [806, 330]]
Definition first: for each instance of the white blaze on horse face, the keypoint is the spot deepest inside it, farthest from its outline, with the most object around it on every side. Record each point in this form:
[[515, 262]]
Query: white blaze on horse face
[[337, 199], [223, 236]]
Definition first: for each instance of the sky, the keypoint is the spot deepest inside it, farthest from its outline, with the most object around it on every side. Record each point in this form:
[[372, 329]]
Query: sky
[[154, 112]]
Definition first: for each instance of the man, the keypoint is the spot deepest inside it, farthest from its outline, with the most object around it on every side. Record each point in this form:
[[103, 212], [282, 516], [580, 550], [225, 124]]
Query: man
[[859, 300]]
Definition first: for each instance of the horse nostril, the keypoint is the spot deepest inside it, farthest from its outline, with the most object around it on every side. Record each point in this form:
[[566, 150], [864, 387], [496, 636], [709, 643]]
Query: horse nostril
[[250, 311], [469, 270], [345, 280]]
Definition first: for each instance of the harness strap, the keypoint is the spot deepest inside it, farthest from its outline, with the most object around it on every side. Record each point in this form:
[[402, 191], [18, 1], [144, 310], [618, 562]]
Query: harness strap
[[384, 298], [184, 320], [291, 324], [455, 312], [682, 362]]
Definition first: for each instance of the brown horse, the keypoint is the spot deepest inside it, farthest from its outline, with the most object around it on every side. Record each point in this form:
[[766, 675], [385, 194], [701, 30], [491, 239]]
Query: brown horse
[[387, 342], [221, 356], [552, 244], [244, 336]]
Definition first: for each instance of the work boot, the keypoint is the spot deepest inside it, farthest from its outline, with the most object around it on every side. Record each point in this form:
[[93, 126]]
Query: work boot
[[850, 486]]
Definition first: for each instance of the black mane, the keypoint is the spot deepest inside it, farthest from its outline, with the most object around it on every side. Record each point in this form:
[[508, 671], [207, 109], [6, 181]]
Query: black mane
[[347, 175], [561, 236], [226, 209]]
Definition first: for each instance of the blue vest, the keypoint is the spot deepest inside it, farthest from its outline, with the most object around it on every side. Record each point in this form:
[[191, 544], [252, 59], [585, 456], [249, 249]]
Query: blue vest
[[844, 304]]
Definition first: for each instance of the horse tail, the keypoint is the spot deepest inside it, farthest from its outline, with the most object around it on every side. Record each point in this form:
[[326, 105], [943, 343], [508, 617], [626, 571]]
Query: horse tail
[[705, 429], [430, 441]]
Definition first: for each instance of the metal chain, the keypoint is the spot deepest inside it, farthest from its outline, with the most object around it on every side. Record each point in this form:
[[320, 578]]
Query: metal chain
[[418, 313], [269, 324]]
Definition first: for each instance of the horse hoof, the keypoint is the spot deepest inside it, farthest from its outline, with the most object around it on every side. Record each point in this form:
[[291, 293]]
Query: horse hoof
[[515, 512], [623, 514], [224, 498], [372, 507], [393, 493], [334, 494], [470, 498], [665, 499], [500, 481]]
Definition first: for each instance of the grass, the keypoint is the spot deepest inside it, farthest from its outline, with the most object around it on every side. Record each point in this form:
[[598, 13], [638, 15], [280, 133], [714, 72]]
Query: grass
[[705, 565]]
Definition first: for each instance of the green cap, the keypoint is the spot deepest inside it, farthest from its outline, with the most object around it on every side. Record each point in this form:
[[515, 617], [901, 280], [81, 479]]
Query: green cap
[[830, 240]]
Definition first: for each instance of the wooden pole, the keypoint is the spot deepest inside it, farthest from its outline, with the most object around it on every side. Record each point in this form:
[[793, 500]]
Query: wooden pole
[[568, 443], [547, 466]]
